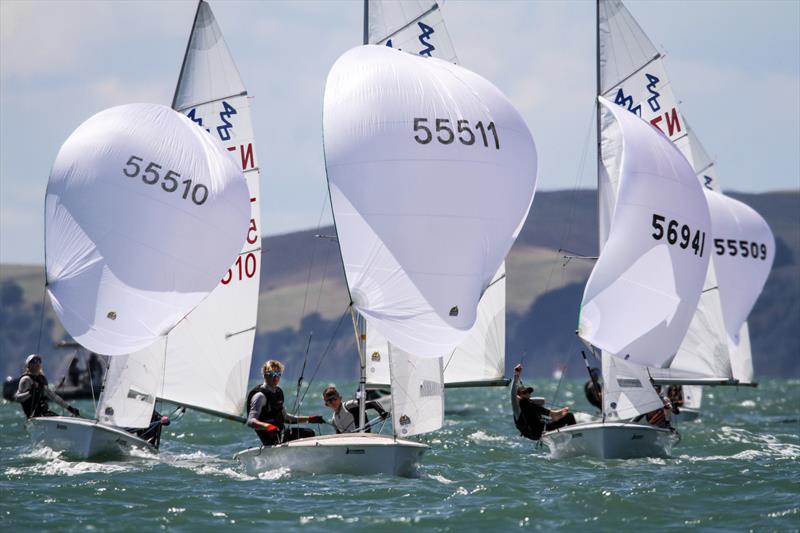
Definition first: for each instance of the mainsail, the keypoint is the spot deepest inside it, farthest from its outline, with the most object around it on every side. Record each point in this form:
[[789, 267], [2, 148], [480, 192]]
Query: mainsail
[[632, 74], [418, 27], [207, 356], [143, 213]]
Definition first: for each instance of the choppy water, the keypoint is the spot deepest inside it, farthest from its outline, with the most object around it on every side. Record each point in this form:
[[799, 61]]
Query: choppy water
[[736, 469]]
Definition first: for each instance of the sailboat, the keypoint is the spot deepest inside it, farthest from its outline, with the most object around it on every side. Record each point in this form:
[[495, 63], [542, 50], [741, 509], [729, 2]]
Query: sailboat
[[655, 231], [203, 362], [419, 28], [632, 73], [143, 212], [431, 174]]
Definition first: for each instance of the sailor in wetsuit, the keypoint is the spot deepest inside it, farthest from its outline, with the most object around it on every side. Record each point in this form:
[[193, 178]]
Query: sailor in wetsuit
[[267, 414], [593, 390], [33, 392], [345, 414], [528, 413]]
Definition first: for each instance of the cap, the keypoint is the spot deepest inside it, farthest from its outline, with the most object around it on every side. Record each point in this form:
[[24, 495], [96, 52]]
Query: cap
[[521, 389], [31, 357]]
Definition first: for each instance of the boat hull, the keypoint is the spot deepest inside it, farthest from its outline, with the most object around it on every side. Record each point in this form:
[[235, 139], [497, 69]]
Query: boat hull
[[611, 440], [80, 438], [348, 453]]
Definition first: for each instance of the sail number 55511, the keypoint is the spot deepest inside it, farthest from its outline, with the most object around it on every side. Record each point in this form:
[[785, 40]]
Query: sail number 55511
[[169, 181], [447, 132], [680, 234]]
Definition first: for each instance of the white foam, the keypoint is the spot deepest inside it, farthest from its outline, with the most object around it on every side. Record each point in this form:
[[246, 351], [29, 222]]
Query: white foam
[[481, 436], [272, 475]]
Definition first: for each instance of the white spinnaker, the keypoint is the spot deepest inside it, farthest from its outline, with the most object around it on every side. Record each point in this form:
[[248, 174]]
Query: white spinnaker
[[742, 357], [424, 221], [417, 393], [626, 389], [210, 351], [144, 212], [479, 358], [131, 386], [414, 26], [656, 276], [744, 249]]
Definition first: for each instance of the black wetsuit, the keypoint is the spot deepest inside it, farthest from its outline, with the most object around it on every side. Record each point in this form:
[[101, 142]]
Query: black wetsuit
[[36, 404], [531, 423], [592, 393]]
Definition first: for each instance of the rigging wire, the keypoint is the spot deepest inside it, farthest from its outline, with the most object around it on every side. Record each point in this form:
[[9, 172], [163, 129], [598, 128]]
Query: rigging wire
[[324, 353]]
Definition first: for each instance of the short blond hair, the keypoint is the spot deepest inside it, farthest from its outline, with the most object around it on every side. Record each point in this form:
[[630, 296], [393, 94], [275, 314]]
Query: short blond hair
[[273, 365]]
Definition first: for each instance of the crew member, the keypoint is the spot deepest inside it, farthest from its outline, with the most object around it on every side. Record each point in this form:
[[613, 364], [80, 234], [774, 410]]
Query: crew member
[[267, 414], [528, 413], [33, 392], [593, 390], [345, 414]]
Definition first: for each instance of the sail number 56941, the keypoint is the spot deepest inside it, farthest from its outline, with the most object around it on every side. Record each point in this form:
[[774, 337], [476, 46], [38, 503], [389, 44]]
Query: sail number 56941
[[169, 181], [680, 234], [447, 132]]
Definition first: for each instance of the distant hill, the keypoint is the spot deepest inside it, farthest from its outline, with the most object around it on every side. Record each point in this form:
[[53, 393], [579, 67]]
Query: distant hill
[[303, 291]]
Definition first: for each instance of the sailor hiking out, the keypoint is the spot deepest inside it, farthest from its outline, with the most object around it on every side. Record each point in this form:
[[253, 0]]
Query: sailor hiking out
[[529, 412]]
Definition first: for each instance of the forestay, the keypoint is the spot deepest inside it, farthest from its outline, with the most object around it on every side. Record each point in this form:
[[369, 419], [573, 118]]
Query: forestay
[[209, 353], [414, 26], [417, 393], [131, 387], [432, 173], [657, 252], [143, 214]]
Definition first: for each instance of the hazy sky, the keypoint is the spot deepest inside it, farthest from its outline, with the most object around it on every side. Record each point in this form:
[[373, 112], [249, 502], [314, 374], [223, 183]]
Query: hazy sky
[[734, 65]]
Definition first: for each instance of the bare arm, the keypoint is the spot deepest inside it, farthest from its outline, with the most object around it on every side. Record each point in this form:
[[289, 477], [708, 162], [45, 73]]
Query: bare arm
[[24, 389], [56, 398]]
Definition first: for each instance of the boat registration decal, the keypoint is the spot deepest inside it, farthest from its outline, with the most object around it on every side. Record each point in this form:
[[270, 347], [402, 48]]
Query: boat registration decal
[[356, 451]]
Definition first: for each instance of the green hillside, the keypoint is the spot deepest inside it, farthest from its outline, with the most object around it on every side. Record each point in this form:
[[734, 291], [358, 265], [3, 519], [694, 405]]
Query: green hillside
[[303, 291]]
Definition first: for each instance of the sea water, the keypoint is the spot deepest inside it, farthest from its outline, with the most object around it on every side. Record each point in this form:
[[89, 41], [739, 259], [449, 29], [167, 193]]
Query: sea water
[[735, 469]]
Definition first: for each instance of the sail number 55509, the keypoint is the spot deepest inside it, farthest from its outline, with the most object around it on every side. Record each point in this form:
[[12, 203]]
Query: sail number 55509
[[677, 233], [169, 181], [446, 134]]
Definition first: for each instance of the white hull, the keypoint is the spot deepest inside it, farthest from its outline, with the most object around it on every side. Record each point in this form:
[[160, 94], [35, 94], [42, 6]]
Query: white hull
[[80, 438], [349, 453], [611, 440], [686, 415]]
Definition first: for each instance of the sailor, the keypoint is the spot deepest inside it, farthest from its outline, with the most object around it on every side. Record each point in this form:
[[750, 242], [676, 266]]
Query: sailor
[[33, 392], [152, 433], [659, 418], [529, 412], [267, 414], [593, 390], [345, 414], [675, 395]]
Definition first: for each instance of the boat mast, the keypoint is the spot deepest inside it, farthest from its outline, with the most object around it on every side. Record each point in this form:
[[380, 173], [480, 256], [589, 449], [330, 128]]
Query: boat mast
[[597, 120], [365, 39]]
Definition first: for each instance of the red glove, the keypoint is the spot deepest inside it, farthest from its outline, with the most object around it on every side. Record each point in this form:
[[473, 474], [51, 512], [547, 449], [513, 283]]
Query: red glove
[[271, 428], [316, 419]]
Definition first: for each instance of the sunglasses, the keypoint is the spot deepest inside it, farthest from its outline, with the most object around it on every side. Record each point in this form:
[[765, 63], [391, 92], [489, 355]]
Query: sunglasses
[[36, 362], [274, 374], [331, 399]]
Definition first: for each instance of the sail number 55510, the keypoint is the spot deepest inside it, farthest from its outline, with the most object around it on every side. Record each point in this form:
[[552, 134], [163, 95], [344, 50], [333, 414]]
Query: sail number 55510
[[169, 181], [677, 233], [447, 132]]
